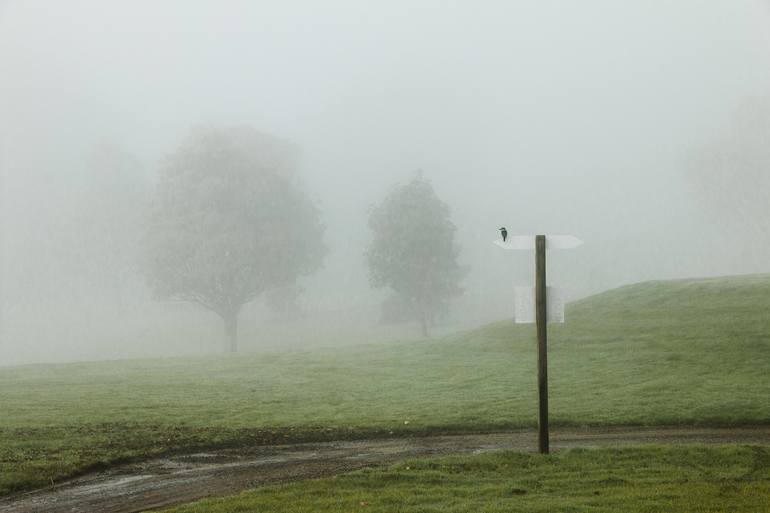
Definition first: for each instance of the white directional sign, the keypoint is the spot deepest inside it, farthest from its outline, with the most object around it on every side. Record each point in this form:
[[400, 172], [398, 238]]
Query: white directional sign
[[528, 242], [525, 305], [527, 311]]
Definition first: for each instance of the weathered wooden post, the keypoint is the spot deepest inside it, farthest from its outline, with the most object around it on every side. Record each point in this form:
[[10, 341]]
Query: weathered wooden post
[[541, 305], [541, 318]]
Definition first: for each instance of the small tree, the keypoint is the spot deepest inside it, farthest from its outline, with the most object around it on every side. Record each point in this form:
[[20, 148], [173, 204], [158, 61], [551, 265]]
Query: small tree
[[229, 222], [414, 251]]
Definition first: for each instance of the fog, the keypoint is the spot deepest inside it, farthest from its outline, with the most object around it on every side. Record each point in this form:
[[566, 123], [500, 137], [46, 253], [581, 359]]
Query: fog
[[544, 117]]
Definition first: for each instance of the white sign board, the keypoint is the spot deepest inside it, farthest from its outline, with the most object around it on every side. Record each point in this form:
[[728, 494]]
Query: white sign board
[[525, 305], [528, 242]]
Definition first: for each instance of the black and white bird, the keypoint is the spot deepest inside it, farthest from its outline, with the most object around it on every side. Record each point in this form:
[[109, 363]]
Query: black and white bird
[[504, 233]]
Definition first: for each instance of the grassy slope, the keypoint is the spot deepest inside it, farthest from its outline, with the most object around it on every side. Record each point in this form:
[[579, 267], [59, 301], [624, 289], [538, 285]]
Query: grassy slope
[[640, 479], [684, 352]]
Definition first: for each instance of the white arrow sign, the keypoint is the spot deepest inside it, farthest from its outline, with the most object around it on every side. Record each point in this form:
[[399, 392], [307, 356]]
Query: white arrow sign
[[528, 242]]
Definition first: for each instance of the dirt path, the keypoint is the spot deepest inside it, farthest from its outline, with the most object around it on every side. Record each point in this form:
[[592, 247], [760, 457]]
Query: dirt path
[[179, 479]]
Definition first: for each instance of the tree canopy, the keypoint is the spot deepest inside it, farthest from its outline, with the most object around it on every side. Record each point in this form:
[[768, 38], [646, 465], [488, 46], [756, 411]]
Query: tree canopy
[[413, 251], [230, 221]]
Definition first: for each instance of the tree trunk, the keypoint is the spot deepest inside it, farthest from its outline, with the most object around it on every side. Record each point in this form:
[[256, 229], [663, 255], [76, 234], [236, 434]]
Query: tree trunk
[[424, 323], [424, 312], [231, 332]]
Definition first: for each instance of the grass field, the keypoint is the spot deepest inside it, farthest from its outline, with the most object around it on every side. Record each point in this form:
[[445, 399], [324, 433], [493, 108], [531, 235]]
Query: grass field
[[641, 479], [682, 352]]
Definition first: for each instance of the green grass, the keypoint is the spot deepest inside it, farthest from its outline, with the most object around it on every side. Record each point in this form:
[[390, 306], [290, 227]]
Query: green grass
[[682, 352], [640, 479]]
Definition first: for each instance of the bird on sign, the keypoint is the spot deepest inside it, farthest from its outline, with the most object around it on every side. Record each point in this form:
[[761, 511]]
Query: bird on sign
[[504, 233]]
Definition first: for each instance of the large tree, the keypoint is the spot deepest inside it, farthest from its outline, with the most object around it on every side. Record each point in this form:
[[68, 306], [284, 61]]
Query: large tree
[[413, 251], [230, 221], [731, 174], [108, 218]]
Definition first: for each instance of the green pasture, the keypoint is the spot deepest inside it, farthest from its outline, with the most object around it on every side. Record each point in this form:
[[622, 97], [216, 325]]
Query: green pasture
[[692, 352]]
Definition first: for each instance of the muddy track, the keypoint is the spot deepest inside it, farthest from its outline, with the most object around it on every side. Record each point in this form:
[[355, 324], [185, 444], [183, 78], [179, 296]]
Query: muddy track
[[174, 480]]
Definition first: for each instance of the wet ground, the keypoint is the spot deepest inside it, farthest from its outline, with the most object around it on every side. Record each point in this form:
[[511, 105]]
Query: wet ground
[[174, 480]]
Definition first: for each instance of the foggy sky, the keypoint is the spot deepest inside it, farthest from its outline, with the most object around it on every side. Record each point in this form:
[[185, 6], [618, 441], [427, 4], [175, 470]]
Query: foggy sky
[[554, 117]]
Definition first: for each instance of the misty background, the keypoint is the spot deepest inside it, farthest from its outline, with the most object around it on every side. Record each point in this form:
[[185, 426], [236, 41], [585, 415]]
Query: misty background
[[585, 118]]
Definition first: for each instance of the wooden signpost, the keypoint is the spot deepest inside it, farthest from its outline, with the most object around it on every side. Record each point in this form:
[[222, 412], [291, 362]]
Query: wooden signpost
[[540, 243]]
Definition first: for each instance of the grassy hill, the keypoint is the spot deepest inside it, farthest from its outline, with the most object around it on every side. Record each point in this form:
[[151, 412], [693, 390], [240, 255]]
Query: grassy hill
[[677, 352]]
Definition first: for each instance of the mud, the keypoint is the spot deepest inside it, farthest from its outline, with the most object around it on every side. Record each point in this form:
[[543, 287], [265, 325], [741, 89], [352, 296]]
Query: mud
[[174, 480]]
